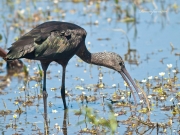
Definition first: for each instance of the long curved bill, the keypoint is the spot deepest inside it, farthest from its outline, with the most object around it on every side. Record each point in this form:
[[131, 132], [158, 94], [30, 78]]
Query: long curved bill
[[125, 75]]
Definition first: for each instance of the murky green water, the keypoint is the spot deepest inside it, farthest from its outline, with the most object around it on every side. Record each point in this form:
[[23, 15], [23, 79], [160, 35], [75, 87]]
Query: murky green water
[[110, 26]]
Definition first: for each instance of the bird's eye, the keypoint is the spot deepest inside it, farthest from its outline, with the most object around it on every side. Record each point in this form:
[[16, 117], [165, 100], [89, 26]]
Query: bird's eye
[[121, 64]]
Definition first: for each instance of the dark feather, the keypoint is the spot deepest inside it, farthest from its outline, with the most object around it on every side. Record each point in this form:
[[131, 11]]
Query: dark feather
[[47, 40]]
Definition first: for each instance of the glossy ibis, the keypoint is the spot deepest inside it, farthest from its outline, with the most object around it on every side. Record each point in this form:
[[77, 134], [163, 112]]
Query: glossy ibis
[[59, 41]]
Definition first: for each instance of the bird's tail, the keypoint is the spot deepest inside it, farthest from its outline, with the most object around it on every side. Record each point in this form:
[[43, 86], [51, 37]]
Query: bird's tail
[[12, 55], [11, 64]]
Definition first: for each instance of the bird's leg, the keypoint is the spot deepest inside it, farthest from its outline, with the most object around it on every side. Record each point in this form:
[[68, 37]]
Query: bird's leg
[[45, 95], [63, 86]]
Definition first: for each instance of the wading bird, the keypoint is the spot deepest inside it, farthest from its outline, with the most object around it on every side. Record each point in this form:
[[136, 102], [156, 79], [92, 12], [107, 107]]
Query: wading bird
[[59, 41]]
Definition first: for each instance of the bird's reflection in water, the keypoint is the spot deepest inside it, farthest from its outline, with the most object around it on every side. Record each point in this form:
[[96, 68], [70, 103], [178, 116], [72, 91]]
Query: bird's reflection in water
[[14, 67], [12, 71], [46, 127], [64, 127]]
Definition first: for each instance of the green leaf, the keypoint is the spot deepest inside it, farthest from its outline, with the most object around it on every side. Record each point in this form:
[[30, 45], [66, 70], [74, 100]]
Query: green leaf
[[113, 123], [116, 1], [128, 19], [40, 71], [25, 70]]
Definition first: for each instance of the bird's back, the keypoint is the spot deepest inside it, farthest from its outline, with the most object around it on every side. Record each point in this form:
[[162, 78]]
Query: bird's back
[[50, 40]]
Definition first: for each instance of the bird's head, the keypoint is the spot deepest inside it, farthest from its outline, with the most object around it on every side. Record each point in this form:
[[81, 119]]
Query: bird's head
[[110, 60], [115, 62]]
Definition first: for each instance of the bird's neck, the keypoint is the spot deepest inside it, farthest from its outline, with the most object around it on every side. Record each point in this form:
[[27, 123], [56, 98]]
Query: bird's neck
[[100, 58]]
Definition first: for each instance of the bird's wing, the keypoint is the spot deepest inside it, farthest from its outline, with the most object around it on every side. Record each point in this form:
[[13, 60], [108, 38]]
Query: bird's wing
[[40, 38], [25, 44], [59, 44]]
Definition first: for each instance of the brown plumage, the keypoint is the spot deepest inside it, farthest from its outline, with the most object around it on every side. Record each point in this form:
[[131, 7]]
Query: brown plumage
[[59, 41]]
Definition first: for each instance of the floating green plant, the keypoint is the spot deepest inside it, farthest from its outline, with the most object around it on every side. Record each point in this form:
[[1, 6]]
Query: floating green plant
[[98, 123]]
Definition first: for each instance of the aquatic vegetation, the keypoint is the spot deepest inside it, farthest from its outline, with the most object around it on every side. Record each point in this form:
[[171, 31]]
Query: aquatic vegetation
[[159, 93], [99, 124]]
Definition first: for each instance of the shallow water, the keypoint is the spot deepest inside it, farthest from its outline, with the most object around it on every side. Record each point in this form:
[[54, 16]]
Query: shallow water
[[150, 38]]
